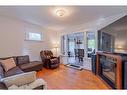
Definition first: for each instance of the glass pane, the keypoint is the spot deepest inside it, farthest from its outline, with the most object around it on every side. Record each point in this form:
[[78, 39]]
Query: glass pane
[[34, 36], [90, 43], [71, 47], [76, 49]]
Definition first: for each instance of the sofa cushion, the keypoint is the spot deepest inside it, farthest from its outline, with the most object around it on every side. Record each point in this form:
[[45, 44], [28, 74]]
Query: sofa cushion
[[32, 85], [20, 79], [8, 64], [14, 71], [32, 66], [13, 87], [22, 59]]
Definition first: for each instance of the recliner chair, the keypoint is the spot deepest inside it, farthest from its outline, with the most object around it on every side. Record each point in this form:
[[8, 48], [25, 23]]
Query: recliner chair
[[49, 61]]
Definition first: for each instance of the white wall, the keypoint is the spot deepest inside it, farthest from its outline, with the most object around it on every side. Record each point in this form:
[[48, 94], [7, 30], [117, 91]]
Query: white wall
[[12, 35]]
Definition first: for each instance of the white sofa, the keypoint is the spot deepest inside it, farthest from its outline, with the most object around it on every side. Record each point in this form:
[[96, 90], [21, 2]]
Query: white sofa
[[24, 81]]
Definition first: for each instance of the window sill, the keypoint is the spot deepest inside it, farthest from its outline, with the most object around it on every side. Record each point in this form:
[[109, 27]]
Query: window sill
[[34, 40]]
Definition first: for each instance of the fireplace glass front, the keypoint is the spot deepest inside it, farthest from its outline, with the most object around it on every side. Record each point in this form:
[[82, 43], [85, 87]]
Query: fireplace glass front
[[108, 71]]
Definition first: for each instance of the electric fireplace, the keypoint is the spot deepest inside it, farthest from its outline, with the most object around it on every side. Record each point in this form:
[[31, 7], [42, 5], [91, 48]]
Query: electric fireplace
[[109, 68]]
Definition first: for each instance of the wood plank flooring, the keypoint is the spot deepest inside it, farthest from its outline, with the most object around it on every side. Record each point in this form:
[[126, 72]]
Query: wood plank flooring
[[69, 78]]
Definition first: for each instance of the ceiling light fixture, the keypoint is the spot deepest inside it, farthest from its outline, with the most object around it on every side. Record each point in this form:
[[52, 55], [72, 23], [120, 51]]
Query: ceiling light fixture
[[60, 12]]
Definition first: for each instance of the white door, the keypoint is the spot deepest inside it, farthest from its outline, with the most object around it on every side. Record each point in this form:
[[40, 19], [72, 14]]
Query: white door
[[89, 41]]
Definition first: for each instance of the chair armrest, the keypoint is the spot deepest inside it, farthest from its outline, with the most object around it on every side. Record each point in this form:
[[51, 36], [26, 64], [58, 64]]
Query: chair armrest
[[58, 58], [3, 86], [54, 57], [46, 58]]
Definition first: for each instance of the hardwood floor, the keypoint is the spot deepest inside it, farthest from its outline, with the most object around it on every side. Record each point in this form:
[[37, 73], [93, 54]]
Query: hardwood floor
[[68, 78]]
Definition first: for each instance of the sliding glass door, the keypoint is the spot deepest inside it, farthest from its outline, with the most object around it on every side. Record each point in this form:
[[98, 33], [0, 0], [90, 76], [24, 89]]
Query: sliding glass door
[[76, 49]]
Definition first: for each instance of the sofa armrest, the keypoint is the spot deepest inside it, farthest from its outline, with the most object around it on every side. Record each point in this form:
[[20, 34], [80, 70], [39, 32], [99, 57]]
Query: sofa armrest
[[39, 88], [38, 84], [3, 86]]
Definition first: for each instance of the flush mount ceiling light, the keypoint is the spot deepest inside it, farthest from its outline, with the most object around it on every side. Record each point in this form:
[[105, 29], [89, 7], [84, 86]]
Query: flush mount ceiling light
[[60, 12]]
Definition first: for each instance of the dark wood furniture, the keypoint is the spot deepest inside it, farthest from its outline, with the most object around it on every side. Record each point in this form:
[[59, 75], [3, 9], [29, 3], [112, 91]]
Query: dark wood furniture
[[110, 62], [93, 60], [79, 53]]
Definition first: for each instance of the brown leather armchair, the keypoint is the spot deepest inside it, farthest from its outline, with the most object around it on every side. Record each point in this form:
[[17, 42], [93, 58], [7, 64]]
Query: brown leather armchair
[[49, 61]]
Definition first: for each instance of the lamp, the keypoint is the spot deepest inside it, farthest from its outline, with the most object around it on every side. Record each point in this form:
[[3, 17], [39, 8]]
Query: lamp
[[56, 48]]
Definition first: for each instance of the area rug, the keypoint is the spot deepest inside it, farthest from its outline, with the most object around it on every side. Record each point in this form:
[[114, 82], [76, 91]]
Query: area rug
[[74, 66]]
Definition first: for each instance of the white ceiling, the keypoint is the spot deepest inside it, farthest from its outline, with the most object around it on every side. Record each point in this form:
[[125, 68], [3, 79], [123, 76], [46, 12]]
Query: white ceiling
[[44, 16]]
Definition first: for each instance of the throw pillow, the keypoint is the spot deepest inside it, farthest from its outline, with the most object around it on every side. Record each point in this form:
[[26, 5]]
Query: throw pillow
[[8, 64]]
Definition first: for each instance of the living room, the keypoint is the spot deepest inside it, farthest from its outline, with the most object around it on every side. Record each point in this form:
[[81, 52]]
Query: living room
[[40, 41]]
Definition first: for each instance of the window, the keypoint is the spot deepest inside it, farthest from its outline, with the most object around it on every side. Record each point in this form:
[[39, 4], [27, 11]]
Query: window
[[34, 36]]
